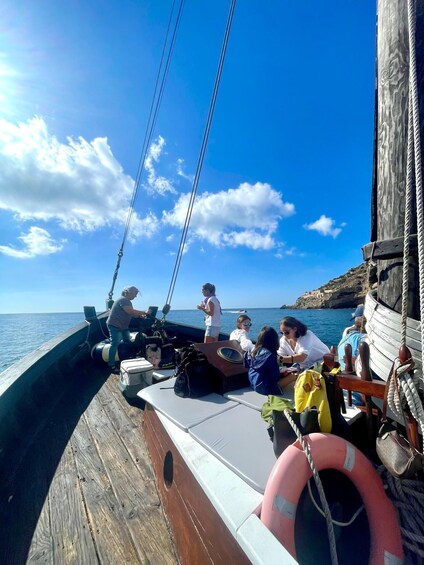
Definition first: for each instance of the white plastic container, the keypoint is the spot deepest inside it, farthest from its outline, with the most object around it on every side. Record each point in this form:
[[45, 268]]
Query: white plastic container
[[135, 375]]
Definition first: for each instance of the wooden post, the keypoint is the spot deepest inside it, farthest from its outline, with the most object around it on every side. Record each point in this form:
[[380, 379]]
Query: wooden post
[[389, 182]]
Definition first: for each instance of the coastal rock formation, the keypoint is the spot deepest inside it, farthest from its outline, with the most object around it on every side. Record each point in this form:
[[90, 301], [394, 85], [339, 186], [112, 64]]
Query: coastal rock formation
[[346, 291]]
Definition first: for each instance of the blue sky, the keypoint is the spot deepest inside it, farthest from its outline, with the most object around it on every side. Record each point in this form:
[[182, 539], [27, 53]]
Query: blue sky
[[283, 202]]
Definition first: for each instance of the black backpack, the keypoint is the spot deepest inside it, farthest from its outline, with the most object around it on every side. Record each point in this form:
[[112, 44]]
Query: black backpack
[[195, 377], [167, 360]]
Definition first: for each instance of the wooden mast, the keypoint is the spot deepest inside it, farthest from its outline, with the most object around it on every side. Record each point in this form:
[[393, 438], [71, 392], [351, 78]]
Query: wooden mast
[[390, 150]]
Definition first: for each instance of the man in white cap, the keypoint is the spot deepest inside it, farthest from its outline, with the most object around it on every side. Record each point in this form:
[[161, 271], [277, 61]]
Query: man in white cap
[[118, 322]]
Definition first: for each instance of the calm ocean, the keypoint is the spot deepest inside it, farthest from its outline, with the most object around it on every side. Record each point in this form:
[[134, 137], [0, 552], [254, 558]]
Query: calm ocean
[[22, 333]]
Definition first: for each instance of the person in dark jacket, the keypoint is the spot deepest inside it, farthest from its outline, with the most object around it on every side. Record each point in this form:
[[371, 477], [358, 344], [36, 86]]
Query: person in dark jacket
[[264, 372]]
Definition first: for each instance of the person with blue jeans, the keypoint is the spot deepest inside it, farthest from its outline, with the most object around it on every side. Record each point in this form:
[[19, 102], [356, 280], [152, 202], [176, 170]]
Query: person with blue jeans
[[118, 322]]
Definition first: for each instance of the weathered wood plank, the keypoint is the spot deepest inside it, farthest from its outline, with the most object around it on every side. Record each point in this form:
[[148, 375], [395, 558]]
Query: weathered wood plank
[[37, 519], [41, 549], [127, 420], [353, 383], [138, 504], [389, 249], [108, 528], [68, 522], [391, 143]]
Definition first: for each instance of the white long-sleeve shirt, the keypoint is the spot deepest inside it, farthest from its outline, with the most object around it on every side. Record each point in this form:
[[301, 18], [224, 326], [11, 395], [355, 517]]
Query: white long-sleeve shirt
[[242, 337], [309, 344]]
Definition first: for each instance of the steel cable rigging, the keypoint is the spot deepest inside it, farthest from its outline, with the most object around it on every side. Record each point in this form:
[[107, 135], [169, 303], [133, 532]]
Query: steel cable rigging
[[151, 122], [202, 154]]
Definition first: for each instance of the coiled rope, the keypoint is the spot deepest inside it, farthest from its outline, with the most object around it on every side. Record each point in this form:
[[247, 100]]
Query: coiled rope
[[407, 496]]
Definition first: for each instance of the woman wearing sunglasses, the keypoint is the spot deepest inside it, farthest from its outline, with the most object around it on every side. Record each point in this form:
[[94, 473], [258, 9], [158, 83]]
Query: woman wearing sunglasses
[[299, 345], [240, 334]]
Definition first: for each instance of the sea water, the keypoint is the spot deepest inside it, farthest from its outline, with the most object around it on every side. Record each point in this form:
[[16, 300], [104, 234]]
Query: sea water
[[22, 333]]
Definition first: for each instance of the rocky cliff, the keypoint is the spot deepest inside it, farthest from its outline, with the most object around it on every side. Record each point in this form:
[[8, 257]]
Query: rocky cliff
[[346, 291]]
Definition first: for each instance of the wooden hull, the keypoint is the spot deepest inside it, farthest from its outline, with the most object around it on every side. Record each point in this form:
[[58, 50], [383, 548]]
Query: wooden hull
[[200, 535], [384, 332]]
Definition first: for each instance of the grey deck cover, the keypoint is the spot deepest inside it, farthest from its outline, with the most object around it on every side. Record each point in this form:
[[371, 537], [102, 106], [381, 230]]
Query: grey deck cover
[[184, 412], [253, 399], [239, 439], [248, 397]]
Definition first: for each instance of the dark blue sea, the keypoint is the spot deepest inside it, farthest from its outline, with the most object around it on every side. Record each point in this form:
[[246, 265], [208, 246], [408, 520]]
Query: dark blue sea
[[22, 333]]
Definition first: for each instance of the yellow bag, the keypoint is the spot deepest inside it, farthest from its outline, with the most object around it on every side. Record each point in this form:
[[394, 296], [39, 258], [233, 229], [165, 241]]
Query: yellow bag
[[309, 391]]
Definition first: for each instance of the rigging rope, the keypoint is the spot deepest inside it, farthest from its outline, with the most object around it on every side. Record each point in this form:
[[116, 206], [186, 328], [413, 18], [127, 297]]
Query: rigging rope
[[201, 155], [320, 488], [408, 496], [151, 122], [403, 372], [417, 155], [407, 226]]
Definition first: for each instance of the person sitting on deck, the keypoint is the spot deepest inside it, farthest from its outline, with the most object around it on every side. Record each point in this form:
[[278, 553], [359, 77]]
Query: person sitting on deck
[[264, 373], [359, 312], [354, 335], [240, 334], [299, 345]]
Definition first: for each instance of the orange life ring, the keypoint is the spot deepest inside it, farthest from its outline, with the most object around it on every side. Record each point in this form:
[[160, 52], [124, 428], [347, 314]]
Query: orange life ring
[[291, 473]]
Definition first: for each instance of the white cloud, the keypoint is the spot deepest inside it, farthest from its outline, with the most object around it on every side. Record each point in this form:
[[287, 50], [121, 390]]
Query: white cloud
[[245, 216], [36, 242], [325, 226], [144, 227], [289, 252], [79, 184], [181, 173], [156, 184]]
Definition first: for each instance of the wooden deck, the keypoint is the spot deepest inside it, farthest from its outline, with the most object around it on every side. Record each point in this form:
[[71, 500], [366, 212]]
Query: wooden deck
[[83, 491]]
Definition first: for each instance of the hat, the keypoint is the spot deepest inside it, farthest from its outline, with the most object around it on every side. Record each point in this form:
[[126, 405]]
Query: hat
[[358, 312]]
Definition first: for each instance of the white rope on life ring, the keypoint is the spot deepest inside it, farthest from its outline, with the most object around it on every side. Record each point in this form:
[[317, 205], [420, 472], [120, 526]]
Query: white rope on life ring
[[291, 473]]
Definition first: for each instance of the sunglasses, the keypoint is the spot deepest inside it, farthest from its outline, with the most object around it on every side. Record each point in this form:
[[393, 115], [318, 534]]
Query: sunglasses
[[247, 324], [286, 332]]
